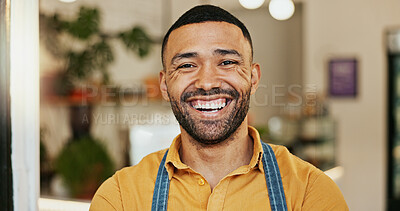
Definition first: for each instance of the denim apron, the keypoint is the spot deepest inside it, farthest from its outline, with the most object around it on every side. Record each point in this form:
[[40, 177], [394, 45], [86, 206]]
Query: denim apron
[[272, 177]]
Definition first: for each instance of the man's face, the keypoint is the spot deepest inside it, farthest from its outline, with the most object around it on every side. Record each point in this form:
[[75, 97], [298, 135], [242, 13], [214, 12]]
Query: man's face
[[208, 78]]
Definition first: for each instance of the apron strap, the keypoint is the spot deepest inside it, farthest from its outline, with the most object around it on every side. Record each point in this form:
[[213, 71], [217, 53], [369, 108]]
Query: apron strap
[[161, 189], [272, 176]]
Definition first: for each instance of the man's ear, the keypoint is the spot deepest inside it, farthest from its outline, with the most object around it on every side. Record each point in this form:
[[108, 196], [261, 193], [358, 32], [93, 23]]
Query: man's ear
[[255, 77], [163, 85]]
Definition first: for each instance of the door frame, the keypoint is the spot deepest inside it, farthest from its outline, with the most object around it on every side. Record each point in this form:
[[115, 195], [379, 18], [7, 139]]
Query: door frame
[[6, 185], [19, 104]]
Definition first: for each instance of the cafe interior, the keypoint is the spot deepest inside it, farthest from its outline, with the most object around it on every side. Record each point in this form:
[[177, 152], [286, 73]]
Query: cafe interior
[[85, 97]]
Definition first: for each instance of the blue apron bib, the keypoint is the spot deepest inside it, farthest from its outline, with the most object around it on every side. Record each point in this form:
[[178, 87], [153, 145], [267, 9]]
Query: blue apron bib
[[272, 177]]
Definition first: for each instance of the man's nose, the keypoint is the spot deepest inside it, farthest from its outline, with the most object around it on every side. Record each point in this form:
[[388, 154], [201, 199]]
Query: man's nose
[[208, 78]]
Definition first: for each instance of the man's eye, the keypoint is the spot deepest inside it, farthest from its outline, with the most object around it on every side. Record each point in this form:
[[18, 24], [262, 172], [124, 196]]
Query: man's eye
[[228, 62], [185, 66]]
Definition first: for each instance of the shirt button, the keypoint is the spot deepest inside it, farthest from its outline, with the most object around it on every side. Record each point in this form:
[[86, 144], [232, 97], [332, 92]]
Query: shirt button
[[201, 182]]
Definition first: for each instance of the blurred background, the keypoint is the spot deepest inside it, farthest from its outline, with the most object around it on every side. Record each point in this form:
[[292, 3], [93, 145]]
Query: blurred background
[[329, 89]]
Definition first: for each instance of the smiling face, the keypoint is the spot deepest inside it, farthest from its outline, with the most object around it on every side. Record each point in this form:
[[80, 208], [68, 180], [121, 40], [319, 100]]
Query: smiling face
[[208, 78]]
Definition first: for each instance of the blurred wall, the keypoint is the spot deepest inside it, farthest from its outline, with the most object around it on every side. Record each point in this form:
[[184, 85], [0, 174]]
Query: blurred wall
[[344, 28]]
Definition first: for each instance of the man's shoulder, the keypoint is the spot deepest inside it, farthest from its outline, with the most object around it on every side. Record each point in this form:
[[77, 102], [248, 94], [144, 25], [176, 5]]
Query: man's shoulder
[[147, 167], [306, 184], [145, 172], [129, 187]]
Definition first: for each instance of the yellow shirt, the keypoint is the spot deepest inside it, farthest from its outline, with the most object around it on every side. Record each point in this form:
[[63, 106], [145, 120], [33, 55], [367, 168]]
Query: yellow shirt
[[306, 187]]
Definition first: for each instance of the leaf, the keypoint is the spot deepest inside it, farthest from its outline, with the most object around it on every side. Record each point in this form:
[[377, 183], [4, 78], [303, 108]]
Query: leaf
[[50, 28], [79, 64], [102, 54], [82, 161], [96, 57], [85, 25], [137, 40]]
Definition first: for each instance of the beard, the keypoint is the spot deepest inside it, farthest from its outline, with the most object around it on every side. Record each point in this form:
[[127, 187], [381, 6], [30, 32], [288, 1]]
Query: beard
[[211, 132]]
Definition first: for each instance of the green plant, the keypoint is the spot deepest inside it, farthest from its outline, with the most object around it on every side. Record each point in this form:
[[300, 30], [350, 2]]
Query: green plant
[[263, 131], [84, 47], [83, 165]]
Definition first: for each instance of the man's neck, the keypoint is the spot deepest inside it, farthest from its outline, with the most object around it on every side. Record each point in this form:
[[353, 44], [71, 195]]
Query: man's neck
[[217, 161]]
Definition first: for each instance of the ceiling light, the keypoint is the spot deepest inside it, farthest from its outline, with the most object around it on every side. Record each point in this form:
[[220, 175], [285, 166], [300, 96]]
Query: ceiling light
[[251, 4], [281, 9]]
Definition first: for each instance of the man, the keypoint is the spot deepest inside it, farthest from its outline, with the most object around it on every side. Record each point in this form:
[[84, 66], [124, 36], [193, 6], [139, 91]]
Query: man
[[218, 161]]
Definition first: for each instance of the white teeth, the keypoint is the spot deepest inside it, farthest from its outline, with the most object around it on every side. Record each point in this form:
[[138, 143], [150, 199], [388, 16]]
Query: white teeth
[[221, 105], [210, 105]]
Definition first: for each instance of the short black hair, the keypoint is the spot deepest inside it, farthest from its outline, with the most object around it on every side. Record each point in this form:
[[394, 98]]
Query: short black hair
[[205, 13]]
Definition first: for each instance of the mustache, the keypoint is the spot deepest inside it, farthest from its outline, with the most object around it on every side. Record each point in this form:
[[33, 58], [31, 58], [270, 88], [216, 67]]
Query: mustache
[[214, 91]]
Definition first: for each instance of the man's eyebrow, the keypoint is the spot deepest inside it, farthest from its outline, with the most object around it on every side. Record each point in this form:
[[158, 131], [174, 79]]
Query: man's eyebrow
[[183, 55], [224, 52]]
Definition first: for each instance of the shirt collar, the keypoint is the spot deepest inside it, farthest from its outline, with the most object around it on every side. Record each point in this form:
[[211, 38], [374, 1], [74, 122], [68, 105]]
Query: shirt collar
[[173, 160]]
